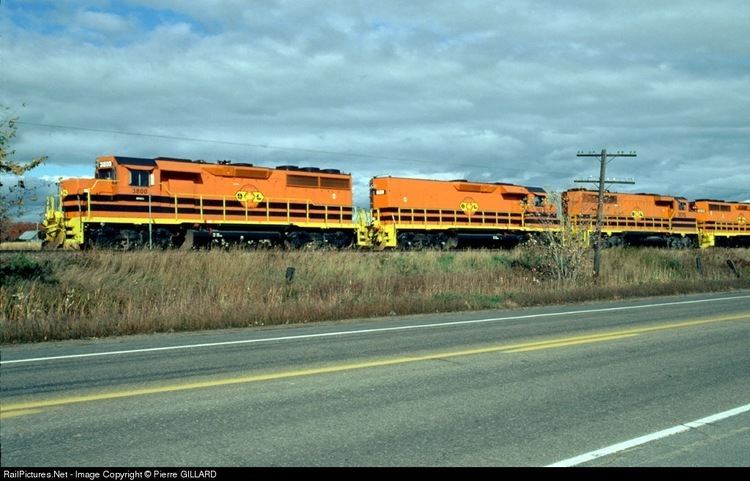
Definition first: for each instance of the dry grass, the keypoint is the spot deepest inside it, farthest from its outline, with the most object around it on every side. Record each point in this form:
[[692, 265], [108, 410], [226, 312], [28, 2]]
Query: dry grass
[[21, 246], [107, 293]]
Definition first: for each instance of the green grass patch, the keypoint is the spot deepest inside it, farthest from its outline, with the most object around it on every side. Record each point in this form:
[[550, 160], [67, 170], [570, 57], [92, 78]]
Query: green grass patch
[[21, 268]]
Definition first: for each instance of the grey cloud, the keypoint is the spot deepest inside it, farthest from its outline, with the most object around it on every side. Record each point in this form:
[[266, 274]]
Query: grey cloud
[[26, 196], [491, 90]]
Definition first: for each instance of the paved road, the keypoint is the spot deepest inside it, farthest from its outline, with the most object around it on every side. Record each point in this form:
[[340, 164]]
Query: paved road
[[524, 387]]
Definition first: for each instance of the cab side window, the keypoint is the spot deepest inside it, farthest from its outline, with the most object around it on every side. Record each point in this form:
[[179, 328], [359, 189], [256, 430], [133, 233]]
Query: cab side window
[[139, 178]]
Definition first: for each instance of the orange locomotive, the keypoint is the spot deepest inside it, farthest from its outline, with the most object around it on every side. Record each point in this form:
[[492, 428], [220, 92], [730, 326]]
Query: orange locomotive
[[166, 202], [416, 213], [634, 218], [722, 223]]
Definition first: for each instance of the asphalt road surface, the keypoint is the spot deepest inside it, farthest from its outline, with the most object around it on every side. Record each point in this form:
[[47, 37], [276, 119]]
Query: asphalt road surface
[[652, 382]]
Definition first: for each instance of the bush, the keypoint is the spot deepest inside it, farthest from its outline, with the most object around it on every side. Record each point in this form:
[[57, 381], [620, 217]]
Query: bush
[[21, 268]]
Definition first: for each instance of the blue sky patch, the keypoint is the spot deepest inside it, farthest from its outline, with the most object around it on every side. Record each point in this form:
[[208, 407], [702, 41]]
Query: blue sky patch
[[53, 18]]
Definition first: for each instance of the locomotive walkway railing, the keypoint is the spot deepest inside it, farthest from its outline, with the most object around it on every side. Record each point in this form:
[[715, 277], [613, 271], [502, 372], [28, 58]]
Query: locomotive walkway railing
[[205, 208], [427, 218], [644, 223]]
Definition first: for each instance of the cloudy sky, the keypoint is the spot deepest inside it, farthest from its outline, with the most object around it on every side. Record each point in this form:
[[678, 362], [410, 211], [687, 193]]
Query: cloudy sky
[[485, 90]]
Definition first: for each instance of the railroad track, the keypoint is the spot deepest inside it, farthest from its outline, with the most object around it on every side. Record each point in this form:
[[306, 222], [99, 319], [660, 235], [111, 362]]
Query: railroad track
[[63, 252]]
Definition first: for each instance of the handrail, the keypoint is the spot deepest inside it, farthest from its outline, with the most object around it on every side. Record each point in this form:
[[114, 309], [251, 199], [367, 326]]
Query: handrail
[[331, 214]]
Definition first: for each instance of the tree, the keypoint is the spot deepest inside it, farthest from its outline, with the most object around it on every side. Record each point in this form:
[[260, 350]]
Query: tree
[[14, 196], [560, 251]]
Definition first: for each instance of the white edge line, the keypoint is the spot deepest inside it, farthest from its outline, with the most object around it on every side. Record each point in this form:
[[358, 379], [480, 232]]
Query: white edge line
[[615, 448], [364, 331]]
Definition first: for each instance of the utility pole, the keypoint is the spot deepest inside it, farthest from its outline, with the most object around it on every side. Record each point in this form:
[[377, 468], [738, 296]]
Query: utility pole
[[604, 158]]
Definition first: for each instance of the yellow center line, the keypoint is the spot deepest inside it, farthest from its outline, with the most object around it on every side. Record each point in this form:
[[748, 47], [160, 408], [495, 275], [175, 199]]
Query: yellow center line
[[287, 374], [18, 409], [569, 343], [19, 412]]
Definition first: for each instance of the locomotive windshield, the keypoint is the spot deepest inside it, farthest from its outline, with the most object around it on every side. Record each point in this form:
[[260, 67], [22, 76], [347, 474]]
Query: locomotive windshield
[[105, 174]]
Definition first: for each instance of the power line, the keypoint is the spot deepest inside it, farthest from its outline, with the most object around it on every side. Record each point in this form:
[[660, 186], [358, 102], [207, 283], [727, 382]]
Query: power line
[[215, 141], [271, 147]]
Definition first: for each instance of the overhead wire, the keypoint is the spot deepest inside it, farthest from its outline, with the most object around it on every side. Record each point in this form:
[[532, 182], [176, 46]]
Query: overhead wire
[[272, 147]]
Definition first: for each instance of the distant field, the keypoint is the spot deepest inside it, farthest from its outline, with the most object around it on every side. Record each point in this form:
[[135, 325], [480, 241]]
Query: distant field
[[20, 246], [93, 294]]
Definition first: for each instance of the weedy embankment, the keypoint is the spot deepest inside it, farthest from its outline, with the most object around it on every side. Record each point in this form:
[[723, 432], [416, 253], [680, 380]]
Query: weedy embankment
[[94, 294]]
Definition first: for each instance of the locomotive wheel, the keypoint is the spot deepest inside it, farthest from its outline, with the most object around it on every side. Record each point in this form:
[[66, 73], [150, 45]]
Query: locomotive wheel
[[450, 242], [614, 241], [296, 240]]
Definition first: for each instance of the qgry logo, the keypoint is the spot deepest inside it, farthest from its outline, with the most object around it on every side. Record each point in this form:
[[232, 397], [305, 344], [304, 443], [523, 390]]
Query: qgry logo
[[469, 206], [249, 196]]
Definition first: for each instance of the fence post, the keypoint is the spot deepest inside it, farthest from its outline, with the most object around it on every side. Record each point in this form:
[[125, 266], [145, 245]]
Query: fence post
[[289, 275], [733, 267]]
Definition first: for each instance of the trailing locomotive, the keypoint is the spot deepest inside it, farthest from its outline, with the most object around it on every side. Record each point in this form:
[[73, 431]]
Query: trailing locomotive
[[416, 213], [635, 219], [721, 223], [167, 202]]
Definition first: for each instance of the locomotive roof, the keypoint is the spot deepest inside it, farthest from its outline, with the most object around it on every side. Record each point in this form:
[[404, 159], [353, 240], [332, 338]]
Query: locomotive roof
[[140, 161], [530, 189], [724, 201], [143, 162], [607, 191], [135, 161], [175, 159], [655, 195]]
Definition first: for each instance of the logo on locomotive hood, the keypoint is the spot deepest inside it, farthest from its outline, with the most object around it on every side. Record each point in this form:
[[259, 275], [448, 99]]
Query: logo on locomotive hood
[[469, 206], [249, 196]]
